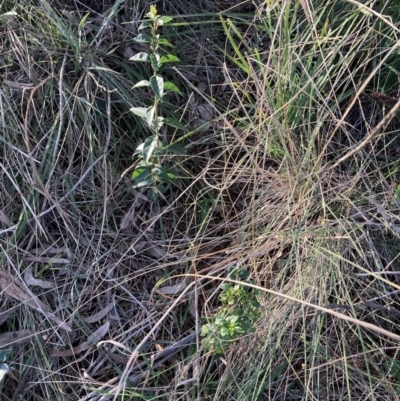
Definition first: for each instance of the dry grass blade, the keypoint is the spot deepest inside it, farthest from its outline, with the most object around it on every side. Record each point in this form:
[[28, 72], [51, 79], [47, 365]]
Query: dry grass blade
[[317, 307], [380, 126]]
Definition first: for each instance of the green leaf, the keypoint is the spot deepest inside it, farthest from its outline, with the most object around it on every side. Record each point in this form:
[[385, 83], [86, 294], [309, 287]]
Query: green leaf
[[139, 111], [150, 116], [150, 144], [242, 63], [141, 84], [139, 149], [224, 332], [155, 61], [163, 175], [143, 38], [157, 84], [169, 58], [243, 274], [164, 20], [177, 149], [170, 86], [138, 171], [226, 286], [204, 330], [82, 23], [142, 57], [144, 25], [165, 42], [141, 177], [173, 122]]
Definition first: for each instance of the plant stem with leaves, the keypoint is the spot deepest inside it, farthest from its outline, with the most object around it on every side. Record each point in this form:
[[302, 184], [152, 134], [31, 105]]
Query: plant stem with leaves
[[149, 169]]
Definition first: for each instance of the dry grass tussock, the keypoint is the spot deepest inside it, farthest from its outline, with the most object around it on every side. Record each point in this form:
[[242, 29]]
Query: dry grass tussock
[[291, 173]]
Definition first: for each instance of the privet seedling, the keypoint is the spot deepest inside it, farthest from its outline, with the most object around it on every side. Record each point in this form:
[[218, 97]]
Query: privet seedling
[[150, 171], [236, 316]]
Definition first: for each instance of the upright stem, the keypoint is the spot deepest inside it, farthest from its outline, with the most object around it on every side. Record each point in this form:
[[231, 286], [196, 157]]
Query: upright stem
[[155, 70]]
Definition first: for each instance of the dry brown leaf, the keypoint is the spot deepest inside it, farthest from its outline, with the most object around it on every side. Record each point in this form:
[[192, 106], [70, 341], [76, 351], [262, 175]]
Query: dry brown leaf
[[128, 53], [173, 289], [156, 251], [92, 340], [139, 246], [73, 351], [49, 250], [15, 337], [116, 343], [206, 112], [89, 27], [153, 250], [118, 358], [130, 214], [99, 315], [45, 259], [127, 218], [6, 314], [5, 220], [30, 280], [72, 17], [95, 337], [14, 289], [202, 87], [18, 85]]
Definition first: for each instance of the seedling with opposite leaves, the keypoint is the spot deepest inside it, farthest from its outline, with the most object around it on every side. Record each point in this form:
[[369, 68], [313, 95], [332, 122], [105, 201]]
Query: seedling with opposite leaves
[[149, 170]]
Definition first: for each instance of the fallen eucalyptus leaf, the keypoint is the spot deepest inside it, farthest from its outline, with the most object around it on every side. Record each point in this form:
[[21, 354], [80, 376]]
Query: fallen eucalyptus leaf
[[128, 53], [205, 111], [6, 314], [92, 340], [99, 315], [46, 259], [18, 85], [17, 290], [127, 218], [173, 289], [49, 250], [5, 220], [30, 280], [15, 337], [153, 250]]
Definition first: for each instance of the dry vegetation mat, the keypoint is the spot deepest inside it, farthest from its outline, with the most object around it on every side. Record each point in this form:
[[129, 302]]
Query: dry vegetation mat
[[226, 230]]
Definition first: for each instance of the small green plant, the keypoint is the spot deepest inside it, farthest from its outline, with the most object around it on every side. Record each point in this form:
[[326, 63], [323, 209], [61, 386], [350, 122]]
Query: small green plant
[[150, 170], [235, 318]]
